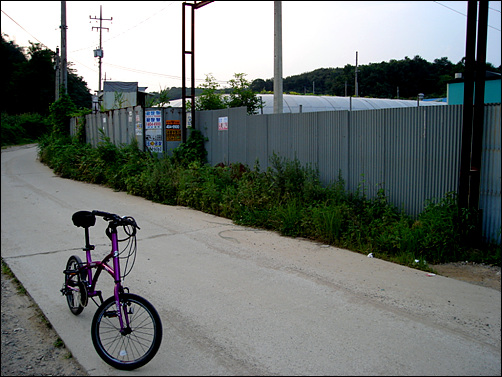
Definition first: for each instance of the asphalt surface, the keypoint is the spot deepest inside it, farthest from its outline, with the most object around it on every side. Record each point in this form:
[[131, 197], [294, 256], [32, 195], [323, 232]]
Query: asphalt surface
[[241, 301]]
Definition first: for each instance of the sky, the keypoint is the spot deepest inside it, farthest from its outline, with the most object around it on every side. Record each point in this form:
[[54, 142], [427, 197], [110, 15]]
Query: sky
[[143, 41]]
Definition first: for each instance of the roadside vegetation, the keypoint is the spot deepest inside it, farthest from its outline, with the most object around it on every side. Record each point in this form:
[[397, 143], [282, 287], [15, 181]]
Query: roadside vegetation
[[286, 197]]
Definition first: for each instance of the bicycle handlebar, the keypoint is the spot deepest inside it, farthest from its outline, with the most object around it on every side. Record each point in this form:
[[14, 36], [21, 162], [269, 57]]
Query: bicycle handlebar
[[126, 220]]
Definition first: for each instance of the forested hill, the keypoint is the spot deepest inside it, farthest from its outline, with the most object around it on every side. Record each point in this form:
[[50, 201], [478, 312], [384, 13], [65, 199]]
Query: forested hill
[[376, 80], [28, 80]]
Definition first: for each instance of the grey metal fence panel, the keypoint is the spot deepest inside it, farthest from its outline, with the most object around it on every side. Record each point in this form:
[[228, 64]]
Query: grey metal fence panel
[[203, 119], [411, 153], [116, 117], [367, 146], [279, 135], [333, 146], [257, 141], [139, 128], [221, 144], [442, 131], [304, 137], [237, 142], [490, 185], [404, 158]]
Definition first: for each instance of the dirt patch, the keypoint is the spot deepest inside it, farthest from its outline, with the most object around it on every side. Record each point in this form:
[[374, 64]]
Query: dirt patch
[[479, 274], [30, 347]]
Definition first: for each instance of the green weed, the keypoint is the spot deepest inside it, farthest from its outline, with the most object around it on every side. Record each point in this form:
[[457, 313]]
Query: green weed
[[287, 197]]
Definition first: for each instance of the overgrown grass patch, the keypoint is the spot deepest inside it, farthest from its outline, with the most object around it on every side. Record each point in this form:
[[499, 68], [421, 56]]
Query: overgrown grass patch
[[286, 197]]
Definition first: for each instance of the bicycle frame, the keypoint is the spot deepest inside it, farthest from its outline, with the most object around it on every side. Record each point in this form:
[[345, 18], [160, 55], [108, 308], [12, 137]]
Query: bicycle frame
[[114, 272]]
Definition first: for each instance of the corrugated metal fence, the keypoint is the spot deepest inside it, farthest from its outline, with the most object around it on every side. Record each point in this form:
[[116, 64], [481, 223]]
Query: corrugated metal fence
[[411, 153], [121, 126]]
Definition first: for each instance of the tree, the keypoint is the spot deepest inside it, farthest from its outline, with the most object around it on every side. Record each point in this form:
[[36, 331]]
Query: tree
[[210, 99], [28, 80], [242, 95]]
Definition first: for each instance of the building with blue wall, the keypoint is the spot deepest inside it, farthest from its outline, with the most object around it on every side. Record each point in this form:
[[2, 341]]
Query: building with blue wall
[[455, 89]]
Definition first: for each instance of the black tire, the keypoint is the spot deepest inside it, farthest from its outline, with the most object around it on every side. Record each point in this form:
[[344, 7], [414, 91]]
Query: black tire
[[139, 345], [76, 291]]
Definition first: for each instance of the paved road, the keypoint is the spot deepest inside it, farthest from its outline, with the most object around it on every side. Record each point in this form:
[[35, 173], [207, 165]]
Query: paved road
[[241, 301]]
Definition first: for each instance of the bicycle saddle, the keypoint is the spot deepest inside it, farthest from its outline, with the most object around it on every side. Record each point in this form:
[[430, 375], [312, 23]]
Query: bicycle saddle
[[85, 219]]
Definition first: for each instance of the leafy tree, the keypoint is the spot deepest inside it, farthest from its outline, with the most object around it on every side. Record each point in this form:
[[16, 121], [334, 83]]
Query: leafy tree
[[28, 80], [12, 60], [210, 99], [161, 98], [260, 85], [242, 95]]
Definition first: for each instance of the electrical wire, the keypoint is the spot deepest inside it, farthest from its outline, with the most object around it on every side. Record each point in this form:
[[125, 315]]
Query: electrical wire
[[31, 35], [463, 14]]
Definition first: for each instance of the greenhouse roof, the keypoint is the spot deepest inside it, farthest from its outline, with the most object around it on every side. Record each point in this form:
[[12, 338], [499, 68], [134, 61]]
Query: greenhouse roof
[[309, 103], [292, 103]]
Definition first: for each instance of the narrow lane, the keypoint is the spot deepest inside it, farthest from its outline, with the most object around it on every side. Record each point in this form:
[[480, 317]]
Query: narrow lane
[[242, 301]]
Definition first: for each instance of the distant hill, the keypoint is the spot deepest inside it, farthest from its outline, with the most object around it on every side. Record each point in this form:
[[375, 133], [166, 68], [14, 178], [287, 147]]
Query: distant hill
[[402, 79]]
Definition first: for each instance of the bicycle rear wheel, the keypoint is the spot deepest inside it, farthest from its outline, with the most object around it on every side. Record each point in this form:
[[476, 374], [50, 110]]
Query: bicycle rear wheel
[[137, 344], [74, 286]]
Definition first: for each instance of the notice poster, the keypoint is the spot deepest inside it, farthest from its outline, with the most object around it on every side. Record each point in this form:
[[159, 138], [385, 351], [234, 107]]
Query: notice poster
[[173, 130], [223, 124], [153, 130]]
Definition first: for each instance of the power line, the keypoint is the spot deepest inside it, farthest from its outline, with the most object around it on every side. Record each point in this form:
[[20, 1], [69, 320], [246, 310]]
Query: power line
[[158, 74], [463, 14], [132, 27], [31, 35]]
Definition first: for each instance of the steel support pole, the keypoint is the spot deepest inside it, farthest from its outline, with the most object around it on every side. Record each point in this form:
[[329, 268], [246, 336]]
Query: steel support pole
[[183, 77], [465, 154], [192, 93], [479, 106]]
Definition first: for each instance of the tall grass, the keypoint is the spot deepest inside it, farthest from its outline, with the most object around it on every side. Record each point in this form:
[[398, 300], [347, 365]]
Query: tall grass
[[286, 197]]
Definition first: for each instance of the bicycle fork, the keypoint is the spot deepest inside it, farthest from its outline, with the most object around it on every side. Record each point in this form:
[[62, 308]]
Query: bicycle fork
[[121, 307]]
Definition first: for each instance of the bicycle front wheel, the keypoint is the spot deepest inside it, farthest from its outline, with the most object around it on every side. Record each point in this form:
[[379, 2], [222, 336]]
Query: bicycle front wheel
[[133, 346]]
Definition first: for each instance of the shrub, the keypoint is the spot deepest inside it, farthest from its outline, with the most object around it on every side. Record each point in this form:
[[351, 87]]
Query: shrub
[[23, 128], [287, 197]]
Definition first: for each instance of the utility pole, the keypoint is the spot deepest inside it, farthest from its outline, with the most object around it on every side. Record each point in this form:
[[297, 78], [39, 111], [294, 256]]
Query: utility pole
[[64, 62], [473, 109], [57, 66], [356, 86], [99, 52], [278, 95]]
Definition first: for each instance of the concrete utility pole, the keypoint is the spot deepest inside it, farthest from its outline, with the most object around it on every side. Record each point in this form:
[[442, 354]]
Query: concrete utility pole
[[99, 52], [356, 85], [64, 62], [278, 97], [57, 67]]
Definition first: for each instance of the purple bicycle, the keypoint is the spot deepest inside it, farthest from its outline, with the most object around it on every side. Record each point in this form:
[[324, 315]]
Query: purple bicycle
[[126, 329]]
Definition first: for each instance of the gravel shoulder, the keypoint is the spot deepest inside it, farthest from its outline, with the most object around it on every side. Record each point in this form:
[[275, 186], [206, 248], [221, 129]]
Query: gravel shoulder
[[28, 341]]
